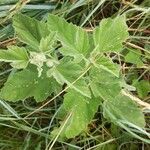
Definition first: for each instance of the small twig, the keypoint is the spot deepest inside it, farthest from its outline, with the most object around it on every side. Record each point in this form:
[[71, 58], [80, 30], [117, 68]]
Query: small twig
[[141, 67], [101, 144], [130, 29], [139, 30], [7, 42], [137, 47], [19, 5], [60, 131]]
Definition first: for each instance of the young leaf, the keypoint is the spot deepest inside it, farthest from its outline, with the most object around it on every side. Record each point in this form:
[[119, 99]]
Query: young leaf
[[82, 109], [123, 108], [47, 43], [25, 84], [68, 72], [38, 59], [74, 39], [110, 34], [30, 30], [17, 56]]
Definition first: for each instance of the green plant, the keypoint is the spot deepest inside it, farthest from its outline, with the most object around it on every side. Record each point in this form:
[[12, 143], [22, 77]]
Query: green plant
[[87, 73]]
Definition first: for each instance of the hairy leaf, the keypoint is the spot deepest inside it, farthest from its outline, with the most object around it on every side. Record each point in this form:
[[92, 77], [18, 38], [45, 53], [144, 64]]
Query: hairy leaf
[[25, 84], [30, 30], [82, 110], [74, 39], [103, 84], [17, 56], [47, 43], [110, 34], [68, 72], [123, 108], [106, 64], [38, 59]]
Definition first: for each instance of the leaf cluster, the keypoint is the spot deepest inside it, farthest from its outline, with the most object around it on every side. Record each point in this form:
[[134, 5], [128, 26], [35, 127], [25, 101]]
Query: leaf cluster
[[91, 77]]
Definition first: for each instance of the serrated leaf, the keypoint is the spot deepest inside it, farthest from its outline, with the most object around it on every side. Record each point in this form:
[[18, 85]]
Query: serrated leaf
[[69, 52], [142, 87], [123, 108], [68, 72], [103, 84], [82, 109], [30, 30], [17, 56], [47, 43], [25, 84], [110, 34], [106, 64], [73, 38]]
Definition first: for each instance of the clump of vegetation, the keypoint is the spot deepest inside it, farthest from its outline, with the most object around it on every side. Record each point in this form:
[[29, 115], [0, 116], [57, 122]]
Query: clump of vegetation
[[75, 87]]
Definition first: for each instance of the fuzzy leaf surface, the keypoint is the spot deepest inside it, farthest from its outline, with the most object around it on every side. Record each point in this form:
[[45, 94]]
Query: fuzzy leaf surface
[[17, 56], [68, 72], [74, 39], [123, 108], [110, 34], [30, 30], [47, 43], [83, 110], [103, 84], [106, 64], [26, 83]]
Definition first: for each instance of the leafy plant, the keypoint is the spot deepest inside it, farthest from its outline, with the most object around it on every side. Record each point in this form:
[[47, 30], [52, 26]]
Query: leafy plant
[[88, 73]]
